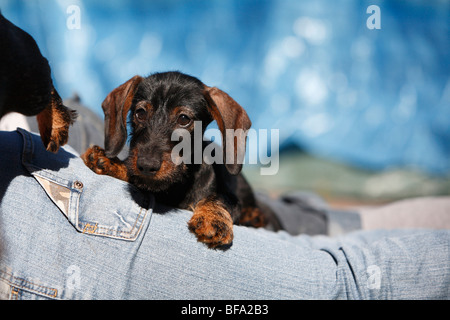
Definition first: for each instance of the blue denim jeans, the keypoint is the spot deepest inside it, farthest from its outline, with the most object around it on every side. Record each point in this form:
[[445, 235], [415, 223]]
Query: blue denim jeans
[[67, 233]]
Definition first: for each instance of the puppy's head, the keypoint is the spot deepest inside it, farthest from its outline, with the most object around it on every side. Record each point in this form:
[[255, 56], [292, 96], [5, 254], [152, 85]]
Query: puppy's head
[[158, 105]]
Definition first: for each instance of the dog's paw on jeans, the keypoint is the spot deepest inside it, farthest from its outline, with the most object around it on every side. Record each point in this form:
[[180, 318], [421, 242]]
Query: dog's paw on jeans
[[212, 224], [96, 160]]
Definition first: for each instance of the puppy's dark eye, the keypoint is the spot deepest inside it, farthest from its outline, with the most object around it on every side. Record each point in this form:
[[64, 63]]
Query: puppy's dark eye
[[141, 114], [183, 120]]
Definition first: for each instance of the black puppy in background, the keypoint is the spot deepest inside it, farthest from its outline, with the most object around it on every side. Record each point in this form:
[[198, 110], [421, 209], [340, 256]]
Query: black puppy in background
[[26, 86]]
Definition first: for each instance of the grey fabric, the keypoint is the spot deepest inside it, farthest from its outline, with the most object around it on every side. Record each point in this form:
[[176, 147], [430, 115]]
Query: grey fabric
[[298, 212]]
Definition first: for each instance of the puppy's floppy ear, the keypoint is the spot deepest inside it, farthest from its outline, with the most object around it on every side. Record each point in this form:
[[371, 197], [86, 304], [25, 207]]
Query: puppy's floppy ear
[[116, 106], [229, 115]]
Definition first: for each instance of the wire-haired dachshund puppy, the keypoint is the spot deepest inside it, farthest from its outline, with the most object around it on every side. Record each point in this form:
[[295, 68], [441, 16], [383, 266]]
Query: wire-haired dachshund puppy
[[159, 104], [26, 86]]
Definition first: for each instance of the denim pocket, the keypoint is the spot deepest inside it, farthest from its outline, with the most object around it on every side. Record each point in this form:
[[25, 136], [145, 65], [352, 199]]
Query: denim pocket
[[18, 288], [94, 204], [103, 207]]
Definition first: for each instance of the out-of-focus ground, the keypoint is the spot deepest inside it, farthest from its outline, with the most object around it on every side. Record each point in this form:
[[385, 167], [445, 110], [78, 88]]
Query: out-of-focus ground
[[343, 186]]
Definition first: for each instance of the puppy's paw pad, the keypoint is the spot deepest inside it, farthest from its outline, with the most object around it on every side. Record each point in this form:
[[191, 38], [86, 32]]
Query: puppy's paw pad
[[215, 232], [95, 159]]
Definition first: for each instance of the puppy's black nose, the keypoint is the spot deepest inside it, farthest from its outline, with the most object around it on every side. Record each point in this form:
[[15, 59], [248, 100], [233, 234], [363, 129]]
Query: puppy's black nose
[[148, 166]]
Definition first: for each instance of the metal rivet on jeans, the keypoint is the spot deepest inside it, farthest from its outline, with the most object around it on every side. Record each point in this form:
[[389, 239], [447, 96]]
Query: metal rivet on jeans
[[78, 185]]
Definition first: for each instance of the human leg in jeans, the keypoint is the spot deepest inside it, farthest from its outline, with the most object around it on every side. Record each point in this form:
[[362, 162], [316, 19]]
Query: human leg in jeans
[[68, 233]]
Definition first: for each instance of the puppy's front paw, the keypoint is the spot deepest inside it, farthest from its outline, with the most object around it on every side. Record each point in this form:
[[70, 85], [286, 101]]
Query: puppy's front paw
[[212, 224], [96, 160]]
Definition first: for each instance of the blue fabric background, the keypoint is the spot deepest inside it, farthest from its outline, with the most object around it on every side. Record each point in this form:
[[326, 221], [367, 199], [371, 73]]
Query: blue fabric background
[[371, 98]]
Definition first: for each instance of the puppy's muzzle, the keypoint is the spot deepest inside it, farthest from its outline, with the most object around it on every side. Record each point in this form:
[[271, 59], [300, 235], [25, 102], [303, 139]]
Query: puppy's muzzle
[[148, 167]]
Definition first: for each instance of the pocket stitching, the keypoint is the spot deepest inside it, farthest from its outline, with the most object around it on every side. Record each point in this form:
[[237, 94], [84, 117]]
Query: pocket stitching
[[30, 284], [84, 227]]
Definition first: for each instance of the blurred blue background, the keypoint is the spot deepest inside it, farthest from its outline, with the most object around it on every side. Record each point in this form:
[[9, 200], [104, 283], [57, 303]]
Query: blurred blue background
[[374, 99]]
